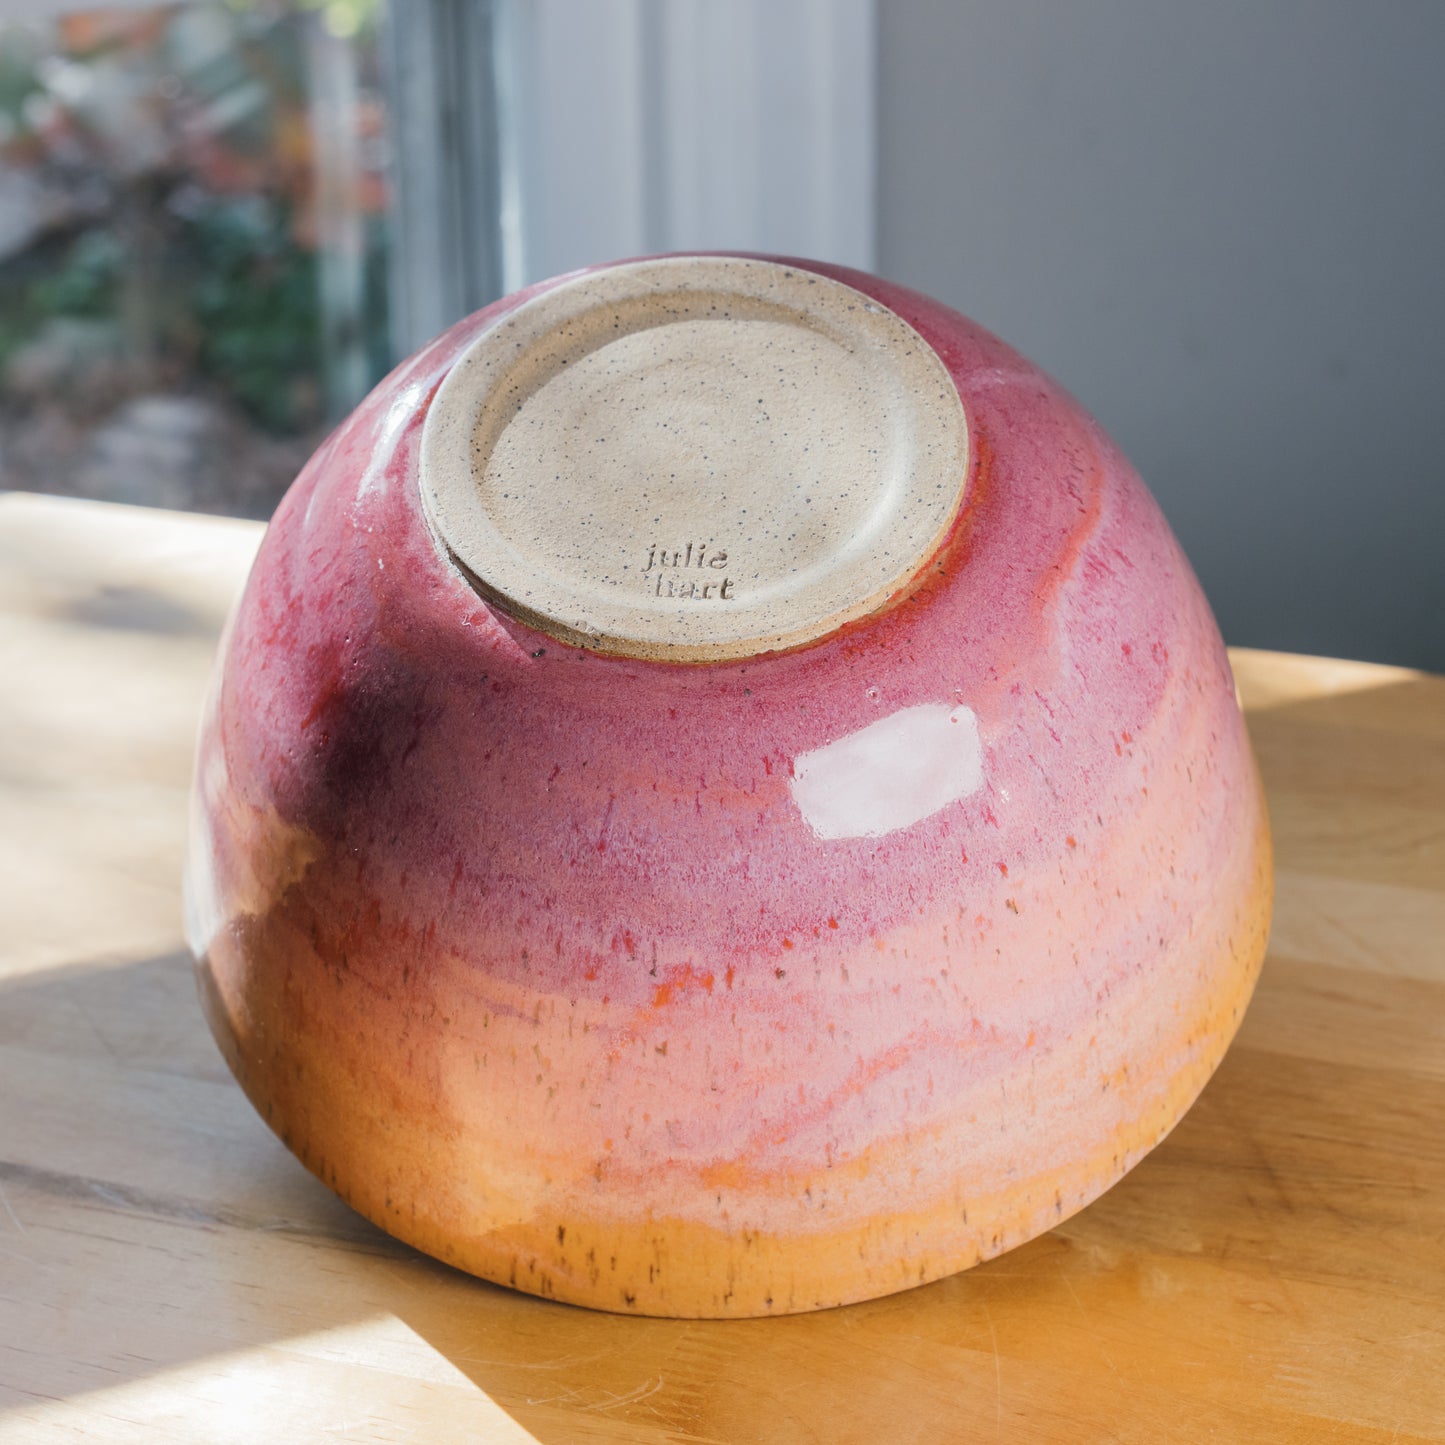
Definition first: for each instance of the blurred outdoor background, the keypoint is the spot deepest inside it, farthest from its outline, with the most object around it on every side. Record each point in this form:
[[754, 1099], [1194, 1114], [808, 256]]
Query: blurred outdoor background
[[221, 221], [172, 330]]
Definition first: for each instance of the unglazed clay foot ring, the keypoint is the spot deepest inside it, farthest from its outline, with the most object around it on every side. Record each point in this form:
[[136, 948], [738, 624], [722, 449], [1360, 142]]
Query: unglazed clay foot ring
[[695, 458]]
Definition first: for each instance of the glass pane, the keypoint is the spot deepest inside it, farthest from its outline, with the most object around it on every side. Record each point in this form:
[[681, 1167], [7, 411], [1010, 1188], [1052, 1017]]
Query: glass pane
[[192, 234]]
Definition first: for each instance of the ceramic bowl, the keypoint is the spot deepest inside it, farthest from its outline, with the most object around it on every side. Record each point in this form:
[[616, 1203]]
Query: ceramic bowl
[[722, 795]]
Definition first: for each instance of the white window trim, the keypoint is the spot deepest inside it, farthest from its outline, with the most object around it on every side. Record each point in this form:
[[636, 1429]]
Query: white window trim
[[637, 126]]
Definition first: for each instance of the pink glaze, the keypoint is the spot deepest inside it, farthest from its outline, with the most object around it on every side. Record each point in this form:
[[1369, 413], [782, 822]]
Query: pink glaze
[[534, 955]]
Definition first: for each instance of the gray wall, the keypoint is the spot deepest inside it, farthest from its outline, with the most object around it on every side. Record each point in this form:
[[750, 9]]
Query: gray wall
[[1222, 227]]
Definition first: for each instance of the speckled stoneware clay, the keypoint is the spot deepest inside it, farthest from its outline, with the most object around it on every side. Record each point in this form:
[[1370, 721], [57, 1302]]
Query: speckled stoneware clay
[[631, 446], [722, 796]]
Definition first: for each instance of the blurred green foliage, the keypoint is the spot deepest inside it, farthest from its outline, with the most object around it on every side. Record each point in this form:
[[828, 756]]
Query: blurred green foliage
[[77, 278], [256, 304], [196, 251], [85, 281], [343, 18]]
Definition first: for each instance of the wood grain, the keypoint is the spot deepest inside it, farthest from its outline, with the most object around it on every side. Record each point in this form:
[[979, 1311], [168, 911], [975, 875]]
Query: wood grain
[[1274, 1271]]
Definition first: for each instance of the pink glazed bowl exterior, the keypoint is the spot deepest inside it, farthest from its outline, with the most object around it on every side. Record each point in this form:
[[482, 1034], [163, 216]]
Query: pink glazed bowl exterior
[[530, 954]]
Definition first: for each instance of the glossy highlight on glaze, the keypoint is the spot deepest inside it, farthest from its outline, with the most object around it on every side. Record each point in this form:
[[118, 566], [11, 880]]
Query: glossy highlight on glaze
[[890, 774], [623, 983]]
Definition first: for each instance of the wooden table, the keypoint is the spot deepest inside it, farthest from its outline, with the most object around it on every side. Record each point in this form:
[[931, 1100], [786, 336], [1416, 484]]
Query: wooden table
[[1274, 1271]]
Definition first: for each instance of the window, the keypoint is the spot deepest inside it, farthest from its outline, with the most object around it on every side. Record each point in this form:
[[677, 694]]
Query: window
[[222, 220], [192, 246]]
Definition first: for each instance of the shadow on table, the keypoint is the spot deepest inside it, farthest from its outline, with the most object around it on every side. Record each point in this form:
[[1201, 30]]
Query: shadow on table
[[149, 1222]]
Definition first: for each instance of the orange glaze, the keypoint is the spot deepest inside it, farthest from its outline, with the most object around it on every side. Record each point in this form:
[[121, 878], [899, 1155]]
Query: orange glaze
[[720, 1260]]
